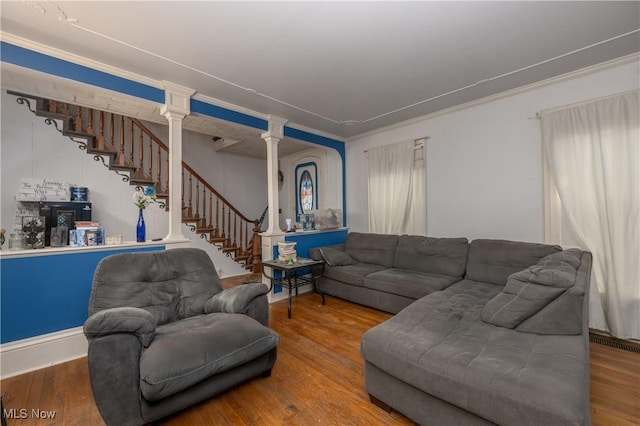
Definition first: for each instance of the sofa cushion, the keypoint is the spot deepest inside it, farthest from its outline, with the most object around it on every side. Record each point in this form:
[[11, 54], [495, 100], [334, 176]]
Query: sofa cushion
[[531, 289], [439, 345], [443, 256], [351, 274], [335, 257], [186, 352], [494, 260], [407, 283], [377, 249]]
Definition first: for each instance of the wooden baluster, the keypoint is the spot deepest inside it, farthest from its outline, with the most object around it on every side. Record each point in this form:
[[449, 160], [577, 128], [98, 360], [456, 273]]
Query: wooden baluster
[[197, 198], [240, 239], [223, 235], [121, 155], [78, 127], [246, 235], [229, 226], [235, 229], [204, 206], [217, 217], [90, 124], [101, 131], [210, 223], [190, 209], [158, 179], [53, 106], [141, 151], [150, 158], [113, 130], [131, 144], [65, 109]]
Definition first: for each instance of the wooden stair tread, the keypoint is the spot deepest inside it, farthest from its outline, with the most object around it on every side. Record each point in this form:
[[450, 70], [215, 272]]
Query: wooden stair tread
[[142, 179], [111, 152], [218, 240], [190, 219], [230, 249], [79, 134], [51, 114], [124, 167]]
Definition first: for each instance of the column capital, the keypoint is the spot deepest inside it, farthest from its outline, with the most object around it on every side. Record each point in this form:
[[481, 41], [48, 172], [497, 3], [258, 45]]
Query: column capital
[[276, 128], [176, 100]]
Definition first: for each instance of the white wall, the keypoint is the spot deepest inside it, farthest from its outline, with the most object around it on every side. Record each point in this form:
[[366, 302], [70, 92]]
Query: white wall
[[30, 148], [484, 163]]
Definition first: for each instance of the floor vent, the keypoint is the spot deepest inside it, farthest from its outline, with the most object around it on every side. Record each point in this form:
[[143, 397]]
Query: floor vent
[[614, 343]]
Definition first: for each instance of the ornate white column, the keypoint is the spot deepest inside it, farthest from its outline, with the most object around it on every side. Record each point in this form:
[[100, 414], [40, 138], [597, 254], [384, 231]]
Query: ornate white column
[[273, 234], [272, 136], [176, 107]]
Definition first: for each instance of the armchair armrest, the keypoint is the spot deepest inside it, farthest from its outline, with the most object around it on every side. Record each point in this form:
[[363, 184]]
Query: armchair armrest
[[236, 299], [127, 320]]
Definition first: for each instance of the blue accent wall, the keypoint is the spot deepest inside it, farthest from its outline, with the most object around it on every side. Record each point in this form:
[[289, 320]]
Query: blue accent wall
[[228, 115], [50, 65], [44, 294], [304, 242]]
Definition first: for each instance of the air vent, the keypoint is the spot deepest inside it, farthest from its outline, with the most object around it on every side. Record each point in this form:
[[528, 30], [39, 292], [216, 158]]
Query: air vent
[[614, 343]]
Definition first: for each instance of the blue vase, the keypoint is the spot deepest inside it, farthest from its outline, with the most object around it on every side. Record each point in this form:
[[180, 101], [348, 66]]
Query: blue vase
[[141, 231]]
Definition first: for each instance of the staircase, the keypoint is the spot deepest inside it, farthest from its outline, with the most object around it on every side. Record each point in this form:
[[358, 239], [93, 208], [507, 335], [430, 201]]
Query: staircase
[[142, 159]]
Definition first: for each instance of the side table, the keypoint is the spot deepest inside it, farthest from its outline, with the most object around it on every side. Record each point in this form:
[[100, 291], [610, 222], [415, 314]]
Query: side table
[[295, 275]]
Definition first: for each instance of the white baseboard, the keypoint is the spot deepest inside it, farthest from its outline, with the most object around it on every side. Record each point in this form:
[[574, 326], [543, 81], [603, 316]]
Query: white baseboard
[[38, 352]]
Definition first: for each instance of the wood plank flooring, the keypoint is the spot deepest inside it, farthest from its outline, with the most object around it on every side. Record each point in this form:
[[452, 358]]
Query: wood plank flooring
[[317, 379]]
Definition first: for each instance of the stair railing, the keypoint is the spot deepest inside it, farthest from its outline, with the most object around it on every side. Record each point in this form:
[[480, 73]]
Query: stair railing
[[137, 155]]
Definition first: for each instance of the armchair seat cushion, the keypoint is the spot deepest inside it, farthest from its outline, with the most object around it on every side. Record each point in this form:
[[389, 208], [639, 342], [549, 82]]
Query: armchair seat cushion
[[186, 352]]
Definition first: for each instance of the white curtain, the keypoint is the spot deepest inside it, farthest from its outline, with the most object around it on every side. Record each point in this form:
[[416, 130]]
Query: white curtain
[[593, 155], [396, 190]]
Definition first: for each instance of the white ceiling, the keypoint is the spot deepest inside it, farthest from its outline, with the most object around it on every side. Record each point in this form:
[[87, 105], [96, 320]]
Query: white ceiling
[[343, 68]]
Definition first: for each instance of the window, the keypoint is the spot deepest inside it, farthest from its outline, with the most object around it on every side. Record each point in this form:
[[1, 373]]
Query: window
[[306, 192], [306, 188], [396, 188], [592, 200]]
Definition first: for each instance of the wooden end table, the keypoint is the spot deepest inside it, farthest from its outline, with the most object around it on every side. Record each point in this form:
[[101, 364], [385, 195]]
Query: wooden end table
[[295, 275]]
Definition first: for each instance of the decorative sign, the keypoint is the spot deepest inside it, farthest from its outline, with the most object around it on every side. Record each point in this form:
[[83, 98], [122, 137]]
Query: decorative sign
[[42, 190]]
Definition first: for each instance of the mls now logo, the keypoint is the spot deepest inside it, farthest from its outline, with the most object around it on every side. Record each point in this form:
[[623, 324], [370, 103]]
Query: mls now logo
[[23, 413]]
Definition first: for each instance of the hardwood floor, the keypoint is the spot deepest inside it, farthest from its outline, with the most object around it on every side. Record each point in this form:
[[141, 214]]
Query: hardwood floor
[[317, 379]]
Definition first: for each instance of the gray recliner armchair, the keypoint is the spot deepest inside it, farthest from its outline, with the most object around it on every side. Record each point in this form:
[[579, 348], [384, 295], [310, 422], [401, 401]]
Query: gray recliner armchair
[[163, 334]]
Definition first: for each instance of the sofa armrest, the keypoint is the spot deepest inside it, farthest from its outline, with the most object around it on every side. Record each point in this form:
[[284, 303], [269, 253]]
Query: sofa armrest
[[235, 300], [126, 320]]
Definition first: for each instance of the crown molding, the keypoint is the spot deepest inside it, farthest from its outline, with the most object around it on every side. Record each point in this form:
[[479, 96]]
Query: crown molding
[[634, 57]]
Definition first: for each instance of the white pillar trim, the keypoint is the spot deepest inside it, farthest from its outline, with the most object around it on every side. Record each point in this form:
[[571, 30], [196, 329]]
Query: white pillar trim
[[272, 136], [176, 107], [177, 99]]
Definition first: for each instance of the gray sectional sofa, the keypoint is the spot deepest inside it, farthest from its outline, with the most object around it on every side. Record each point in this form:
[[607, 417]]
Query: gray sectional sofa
[[487, 332]]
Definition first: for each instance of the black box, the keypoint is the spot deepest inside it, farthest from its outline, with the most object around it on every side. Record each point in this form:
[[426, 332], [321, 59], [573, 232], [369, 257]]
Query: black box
[[63, 213]]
